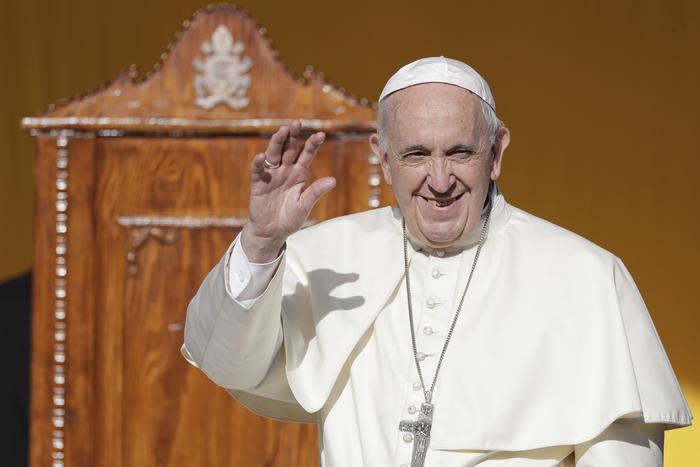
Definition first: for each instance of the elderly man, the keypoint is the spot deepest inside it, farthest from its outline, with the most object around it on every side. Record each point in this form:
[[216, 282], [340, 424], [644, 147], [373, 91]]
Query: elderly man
[[454, 330]]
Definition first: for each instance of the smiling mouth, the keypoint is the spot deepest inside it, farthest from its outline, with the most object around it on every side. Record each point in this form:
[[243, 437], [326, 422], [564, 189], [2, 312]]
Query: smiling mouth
[[442, 202]]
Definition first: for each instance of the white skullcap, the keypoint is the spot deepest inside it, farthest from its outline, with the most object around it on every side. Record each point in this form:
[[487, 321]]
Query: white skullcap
[[439, 70]]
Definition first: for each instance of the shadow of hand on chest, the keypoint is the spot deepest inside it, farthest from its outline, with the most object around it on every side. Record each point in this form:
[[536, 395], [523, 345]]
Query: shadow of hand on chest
[[326, 293], [330, 291]]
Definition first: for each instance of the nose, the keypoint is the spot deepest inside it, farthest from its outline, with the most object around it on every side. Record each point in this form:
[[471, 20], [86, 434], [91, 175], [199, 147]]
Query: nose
[[440, 176]]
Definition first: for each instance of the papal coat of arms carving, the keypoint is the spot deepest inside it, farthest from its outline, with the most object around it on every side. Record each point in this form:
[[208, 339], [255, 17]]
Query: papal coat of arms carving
[[222, 78]]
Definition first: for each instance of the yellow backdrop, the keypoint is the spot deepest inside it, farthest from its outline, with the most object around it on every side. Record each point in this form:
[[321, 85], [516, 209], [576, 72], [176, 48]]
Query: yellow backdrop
[[601, 97]]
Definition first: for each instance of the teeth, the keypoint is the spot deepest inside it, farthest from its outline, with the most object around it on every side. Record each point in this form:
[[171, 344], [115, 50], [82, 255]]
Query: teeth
[[442, 203]]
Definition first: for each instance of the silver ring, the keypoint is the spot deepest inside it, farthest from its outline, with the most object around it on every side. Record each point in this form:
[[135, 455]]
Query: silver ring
[[270, 165]]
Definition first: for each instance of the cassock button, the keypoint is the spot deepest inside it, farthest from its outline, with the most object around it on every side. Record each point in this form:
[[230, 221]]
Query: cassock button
[[408, 437], [440, 253], [417, 386], [427, 330], [241, 276], [412, 409], [430, 303], [420, 356], [436, 274]]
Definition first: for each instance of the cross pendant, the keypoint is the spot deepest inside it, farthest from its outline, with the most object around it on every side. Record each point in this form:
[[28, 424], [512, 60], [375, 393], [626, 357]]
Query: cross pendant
[[421, 433]]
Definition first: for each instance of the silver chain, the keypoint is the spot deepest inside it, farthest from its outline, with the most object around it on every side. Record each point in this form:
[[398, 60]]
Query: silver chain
[[428, 394]]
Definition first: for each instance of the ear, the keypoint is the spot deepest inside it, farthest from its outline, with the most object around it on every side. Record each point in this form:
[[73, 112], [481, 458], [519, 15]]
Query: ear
[[382, 156], [498, 148]]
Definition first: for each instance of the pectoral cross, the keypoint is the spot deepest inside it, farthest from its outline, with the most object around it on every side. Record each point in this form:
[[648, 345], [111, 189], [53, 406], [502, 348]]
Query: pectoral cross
[[421, 433]]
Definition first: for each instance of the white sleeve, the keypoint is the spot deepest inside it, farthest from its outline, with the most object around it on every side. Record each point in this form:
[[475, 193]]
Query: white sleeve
[[624, 444], [234, 346], [241, 349], [246, 281]]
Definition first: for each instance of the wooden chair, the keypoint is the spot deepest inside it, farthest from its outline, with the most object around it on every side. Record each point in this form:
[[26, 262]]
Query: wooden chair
[[140, 188]]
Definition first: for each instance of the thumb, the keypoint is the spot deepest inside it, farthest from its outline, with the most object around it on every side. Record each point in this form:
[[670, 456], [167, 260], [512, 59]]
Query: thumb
[[310, 196]]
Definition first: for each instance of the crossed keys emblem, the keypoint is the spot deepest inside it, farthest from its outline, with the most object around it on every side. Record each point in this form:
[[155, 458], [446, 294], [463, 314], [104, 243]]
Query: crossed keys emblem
[[223, 77]]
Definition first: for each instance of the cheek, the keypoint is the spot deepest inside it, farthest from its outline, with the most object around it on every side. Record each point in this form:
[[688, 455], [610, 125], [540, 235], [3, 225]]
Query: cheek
[[407, 181], [476, 174]]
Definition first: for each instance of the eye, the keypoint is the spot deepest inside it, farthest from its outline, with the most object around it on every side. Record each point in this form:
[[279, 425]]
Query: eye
[[461, 153], [414, 156]]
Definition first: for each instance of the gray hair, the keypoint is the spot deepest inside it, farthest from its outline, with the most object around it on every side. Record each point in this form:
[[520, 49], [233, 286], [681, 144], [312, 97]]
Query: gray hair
[[493, 123]]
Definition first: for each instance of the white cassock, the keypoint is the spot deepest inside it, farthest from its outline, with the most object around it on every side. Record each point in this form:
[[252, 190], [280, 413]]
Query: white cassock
[[554, 360]]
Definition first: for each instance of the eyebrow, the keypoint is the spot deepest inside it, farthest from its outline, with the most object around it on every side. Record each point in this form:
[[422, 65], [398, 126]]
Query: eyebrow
[[453, 149], [414, 148], [462, 148]]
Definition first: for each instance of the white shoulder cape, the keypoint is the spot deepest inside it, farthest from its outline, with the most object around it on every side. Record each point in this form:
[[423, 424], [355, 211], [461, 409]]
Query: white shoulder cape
[[557, 344]]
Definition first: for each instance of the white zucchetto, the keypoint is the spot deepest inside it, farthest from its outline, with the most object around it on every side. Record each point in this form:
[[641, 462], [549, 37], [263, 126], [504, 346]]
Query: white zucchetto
[[439, 70]]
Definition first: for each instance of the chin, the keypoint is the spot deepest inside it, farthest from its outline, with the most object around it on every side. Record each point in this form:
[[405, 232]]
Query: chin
[[441, 239], [443, 228]]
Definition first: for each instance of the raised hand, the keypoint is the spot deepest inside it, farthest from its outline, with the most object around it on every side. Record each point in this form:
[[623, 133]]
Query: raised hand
[[280, 202]]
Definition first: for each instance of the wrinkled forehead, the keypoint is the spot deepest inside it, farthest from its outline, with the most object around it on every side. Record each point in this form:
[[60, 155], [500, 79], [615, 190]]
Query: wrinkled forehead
[[431, 108], [435, 95], [429, 101]]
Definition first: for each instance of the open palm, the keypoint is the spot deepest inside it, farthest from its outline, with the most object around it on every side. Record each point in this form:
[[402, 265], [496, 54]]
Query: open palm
[[280, 201]]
